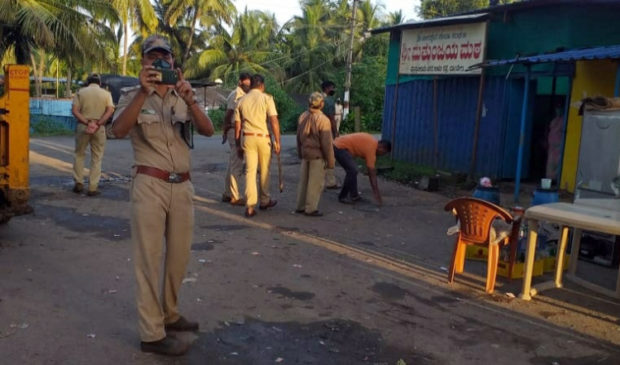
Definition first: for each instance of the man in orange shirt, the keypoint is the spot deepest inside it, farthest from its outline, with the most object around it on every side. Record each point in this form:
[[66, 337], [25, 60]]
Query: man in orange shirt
[[359, 145]]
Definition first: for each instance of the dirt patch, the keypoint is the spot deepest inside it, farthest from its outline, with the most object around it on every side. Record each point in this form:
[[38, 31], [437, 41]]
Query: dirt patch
[[288, 293], [326, 342]]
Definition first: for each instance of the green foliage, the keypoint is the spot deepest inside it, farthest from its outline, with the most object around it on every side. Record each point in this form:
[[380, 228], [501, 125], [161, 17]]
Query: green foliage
[[288, 109], [47, 127], [217, 116], [403, 172], [439, 8]]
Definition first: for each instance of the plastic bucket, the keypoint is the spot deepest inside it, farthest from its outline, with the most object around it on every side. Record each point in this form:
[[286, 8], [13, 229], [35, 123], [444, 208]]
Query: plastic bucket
[[489, 194], [545, 196]]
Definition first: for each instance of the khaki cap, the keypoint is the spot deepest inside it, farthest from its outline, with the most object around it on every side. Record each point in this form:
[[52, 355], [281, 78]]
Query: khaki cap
[[315, 100]]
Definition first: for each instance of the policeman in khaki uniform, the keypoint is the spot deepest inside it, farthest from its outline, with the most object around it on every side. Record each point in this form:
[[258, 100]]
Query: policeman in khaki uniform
[[92, 107], [235, 161], [251, 116], [155, 115]]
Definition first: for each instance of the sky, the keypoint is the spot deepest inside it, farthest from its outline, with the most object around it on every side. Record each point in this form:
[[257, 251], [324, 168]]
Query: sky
[[286, 9]]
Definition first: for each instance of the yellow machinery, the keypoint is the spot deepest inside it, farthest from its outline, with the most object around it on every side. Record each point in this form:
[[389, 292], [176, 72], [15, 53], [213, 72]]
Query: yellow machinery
[[14, 142]]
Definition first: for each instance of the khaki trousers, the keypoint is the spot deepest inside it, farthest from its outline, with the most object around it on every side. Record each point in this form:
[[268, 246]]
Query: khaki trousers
[[310, 186], [234, 170], [97, 146], [160, 212], [257, 155]]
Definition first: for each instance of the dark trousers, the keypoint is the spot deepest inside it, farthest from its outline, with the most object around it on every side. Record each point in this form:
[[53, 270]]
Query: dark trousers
[[349, 187]]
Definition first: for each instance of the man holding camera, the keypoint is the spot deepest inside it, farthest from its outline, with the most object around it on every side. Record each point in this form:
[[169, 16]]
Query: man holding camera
[[92, 107], [154, 114]]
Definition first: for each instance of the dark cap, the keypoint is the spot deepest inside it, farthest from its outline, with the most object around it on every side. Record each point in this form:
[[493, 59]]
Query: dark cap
[[156, 42], [93, 78]]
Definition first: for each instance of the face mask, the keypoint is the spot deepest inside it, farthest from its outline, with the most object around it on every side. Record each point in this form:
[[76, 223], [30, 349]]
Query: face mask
[[332, 93]]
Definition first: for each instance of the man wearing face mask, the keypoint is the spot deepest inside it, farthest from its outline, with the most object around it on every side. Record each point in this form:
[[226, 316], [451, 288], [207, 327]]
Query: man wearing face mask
[[235, 161], [329, 109], [154, 114]]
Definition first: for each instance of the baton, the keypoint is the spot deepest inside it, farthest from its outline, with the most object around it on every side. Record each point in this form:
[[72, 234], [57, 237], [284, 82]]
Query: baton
[[280, 179]]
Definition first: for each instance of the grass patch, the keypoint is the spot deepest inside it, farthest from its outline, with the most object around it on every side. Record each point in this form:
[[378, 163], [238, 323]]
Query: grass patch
[[48, 127], [409, 174]]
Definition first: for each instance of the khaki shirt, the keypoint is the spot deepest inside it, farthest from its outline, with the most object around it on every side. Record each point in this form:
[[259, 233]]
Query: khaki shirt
[[156, 138], [252, 111], [314, 137], [92, 101], [231, 104], [233, 98]]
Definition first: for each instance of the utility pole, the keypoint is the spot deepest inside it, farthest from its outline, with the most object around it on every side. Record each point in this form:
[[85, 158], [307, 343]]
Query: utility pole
[[347, 83]]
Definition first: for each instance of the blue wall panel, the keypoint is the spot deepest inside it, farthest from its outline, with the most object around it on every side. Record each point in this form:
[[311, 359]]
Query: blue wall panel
[[457, 98]]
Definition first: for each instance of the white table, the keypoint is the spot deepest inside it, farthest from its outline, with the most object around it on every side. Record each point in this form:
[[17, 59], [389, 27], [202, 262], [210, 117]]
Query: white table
[[590, 217]]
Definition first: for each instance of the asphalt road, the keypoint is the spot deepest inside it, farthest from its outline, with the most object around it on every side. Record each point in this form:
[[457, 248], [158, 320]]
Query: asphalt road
[[360, 285]]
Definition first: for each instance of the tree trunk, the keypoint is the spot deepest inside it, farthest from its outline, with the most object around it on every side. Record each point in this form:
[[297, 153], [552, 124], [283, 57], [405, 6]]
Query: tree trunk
[[125, 46], [37, 76], [191, 34], [68, 84], [41, 71]]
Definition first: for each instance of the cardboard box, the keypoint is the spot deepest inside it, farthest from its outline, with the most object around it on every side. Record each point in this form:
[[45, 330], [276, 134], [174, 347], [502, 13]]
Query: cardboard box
[[518, 268], [474, 252]]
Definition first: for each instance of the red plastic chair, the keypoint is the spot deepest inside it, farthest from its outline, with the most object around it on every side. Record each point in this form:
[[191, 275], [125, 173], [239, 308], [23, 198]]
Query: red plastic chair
[[475, 218]]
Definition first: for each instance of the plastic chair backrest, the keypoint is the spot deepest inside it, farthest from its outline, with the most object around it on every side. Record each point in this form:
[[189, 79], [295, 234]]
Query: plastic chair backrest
[[475, 217]]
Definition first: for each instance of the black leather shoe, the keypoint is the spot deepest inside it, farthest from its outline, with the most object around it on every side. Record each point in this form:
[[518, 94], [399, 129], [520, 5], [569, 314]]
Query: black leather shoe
[[169, 346], [225, 199], [182, 324], [78, 188], [316, 213], [250, 213], [271, 204], [93, 193]]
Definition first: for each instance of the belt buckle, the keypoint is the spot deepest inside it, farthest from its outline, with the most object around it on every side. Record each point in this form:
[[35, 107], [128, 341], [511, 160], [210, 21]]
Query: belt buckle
[[174, 178]]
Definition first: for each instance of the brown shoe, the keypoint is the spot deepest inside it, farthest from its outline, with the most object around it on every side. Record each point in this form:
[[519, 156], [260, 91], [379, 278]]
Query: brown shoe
[[169, 346], [182, 325], [93, 193], [237, 202], [78, 188], [271, 204], [250, 212]]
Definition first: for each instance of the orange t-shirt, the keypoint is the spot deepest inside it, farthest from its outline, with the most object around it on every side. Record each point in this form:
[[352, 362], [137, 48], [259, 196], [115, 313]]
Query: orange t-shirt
[[359, 145]]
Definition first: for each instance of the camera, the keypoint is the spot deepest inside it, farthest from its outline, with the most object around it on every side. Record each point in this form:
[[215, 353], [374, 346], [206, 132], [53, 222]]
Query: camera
[[168, 75]]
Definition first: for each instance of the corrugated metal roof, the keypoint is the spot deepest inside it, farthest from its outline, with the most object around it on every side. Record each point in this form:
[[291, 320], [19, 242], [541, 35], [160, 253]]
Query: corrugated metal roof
[[610, 52], [460, 19]]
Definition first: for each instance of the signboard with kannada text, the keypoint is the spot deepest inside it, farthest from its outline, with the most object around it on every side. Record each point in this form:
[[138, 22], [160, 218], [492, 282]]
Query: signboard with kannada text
[[446, 50]]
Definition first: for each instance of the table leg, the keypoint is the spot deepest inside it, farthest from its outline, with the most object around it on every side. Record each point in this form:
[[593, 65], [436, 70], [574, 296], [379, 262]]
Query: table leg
[[529, 259], [559, 257], [574, 251]]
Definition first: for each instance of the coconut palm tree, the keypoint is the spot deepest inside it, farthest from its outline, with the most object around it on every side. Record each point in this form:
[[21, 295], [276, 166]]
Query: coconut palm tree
[[246, 47], [26, 25], [204, 13], [395, 18], [137, 16]]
